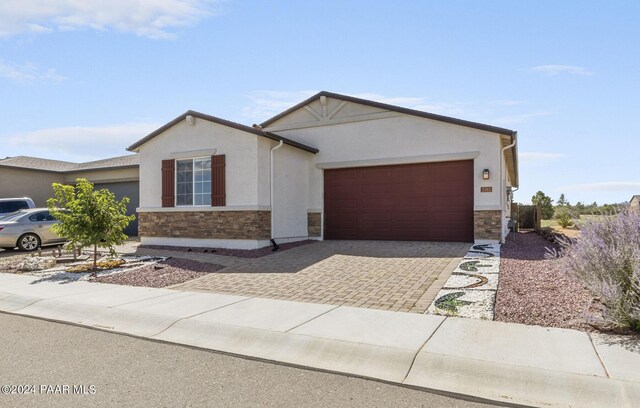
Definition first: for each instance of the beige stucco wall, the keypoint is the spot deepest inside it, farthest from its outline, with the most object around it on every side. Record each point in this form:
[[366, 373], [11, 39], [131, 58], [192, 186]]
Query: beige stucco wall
[[397, 137], [291, 168], [28, 183], [183, 140]]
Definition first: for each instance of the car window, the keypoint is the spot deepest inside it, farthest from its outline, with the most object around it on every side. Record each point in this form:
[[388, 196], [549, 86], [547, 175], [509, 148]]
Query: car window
[[13, 206], [41, 216], [13, 216]]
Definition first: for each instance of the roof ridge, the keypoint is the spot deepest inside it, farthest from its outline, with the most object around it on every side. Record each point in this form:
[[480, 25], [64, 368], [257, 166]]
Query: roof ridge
[[396, 108], [61, 166], [37, 158]]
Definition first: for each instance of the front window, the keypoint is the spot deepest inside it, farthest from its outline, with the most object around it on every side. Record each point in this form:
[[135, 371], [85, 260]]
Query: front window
[[193, 181]]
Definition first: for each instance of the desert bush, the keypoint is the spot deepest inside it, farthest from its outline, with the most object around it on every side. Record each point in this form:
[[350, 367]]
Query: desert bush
[[606, 258], [563, 216]]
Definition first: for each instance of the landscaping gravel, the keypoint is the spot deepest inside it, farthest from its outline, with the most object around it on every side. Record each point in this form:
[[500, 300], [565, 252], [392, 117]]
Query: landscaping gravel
[[10, 263], [538, 291], [239, 253], [158, 275]]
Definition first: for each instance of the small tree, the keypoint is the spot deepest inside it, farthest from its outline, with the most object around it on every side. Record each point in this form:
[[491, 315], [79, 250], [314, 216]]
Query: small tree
[[89, 218], [562, 201], [546, 204]]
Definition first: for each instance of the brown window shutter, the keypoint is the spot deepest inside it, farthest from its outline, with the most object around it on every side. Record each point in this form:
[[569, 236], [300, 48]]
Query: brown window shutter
[[218, 189], [168, 183]]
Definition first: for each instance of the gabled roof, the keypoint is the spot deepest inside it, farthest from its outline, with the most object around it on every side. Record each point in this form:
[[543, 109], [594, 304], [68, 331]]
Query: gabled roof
[[394, 108], [222, 122], [59, 166]]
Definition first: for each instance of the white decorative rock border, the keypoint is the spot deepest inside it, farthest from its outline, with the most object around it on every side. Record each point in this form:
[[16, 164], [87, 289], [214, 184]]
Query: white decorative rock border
[[471, 289]]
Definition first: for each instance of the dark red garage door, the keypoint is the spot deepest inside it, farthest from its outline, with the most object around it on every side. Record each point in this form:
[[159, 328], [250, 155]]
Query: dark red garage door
[[412, 202]]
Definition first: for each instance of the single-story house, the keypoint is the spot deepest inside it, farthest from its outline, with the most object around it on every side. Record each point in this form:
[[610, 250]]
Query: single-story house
[[330, 167], [24, 176], [634, 203]]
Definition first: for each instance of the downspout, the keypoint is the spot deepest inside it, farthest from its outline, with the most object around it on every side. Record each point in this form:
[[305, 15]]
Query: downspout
[[273, 149], [503, 182]]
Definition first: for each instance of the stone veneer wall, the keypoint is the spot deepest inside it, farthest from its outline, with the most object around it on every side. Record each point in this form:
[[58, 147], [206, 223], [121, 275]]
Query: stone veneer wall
[[206, 224], [487, 224], [314, 224]]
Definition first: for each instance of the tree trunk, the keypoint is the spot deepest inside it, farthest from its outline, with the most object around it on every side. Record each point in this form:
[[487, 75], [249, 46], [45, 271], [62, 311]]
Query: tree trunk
[[95, 255]]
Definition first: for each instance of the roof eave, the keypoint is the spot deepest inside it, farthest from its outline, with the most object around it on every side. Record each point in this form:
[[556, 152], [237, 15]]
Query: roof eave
[[136, 146], [413, 112]]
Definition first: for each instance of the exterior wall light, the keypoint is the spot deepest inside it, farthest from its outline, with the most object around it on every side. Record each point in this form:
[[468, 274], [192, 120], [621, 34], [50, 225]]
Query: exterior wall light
[[485, 174]]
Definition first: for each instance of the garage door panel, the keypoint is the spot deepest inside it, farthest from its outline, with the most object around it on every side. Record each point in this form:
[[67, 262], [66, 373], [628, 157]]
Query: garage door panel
[[450, 220], [374, 203], [410, 190], [411, 217], [428, 201]]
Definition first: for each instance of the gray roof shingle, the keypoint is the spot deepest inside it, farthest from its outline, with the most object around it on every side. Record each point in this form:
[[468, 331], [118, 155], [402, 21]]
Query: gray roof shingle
[[59, 166]]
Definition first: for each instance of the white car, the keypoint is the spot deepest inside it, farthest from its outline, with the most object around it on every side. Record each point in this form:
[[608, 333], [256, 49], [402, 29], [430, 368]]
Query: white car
[[28, 230], [11, 205]]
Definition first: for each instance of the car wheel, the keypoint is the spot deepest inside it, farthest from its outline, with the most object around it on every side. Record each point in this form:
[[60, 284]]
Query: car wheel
[[29, 242]]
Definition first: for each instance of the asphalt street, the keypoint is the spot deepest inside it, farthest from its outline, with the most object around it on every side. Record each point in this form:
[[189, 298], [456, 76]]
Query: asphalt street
[[47, 364]]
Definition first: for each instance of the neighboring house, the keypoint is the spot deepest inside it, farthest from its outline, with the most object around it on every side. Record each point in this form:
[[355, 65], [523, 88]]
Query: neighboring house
[[634, 203], [24, 176], [331, 167]]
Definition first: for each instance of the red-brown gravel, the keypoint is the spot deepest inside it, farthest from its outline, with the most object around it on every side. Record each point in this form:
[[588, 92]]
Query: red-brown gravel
[[239, 253], [538, 291], [169, 272]]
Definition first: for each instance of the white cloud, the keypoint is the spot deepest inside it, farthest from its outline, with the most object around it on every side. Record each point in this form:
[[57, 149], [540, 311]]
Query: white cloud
[[80, 143], [28, 73], [509, 102], [607, 186], [265, 104], [519, 118], [147, 18], [534, 157], [553, 70]]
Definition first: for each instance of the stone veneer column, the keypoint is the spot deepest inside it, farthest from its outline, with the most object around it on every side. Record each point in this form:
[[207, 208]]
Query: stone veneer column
[[314, 224], [487, 224], [254, 225]]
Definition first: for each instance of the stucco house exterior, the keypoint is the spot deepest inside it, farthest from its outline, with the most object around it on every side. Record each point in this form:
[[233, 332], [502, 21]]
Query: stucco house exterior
[[330, 167], [24, 176]]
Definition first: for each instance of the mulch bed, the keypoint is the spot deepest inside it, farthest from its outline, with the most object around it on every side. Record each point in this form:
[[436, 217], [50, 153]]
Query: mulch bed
[[166, 273], [239, 253], [538, 291]]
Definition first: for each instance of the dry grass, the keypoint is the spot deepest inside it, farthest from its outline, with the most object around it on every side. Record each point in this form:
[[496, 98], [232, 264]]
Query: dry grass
[[571, 232]]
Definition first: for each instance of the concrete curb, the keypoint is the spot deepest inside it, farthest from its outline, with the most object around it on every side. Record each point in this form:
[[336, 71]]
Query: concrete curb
[[430, 352], [116, 320], [384, 363], [519, 384]]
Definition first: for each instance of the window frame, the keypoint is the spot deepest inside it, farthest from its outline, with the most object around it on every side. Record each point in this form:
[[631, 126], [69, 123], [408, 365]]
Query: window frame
[[193, 181]]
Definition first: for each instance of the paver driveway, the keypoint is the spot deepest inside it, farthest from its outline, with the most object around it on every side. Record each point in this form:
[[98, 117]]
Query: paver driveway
[[390, 275]]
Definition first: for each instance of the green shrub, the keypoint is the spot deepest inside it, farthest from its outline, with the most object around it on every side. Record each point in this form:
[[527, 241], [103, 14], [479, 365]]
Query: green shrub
[[563, 216]]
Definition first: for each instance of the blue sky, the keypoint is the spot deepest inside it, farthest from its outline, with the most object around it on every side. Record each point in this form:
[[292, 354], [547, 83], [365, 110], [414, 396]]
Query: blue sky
[[80, 80]]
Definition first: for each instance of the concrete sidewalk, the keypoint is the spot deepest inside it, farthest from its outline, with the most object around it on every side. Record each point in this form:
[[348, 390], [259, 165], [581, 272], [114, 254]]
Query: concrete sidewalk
[[496, 361]]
